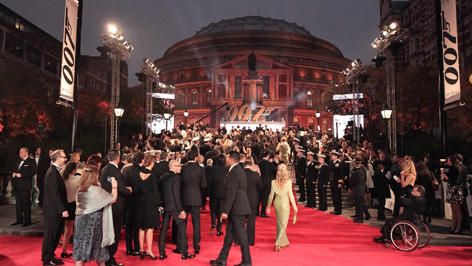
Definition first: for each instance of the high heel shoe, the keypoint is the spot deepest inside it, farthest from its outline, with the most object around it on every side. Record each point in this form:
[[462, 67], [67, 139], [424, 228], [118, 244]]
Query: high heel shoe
[[278, 248], [152, 257], [142, 255]]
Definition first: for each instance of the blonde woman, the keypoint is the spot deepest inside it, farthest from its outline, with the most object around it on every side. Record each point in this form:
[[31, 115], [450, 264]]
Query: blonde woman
[[283, 149], [408, 176], [281, 187]]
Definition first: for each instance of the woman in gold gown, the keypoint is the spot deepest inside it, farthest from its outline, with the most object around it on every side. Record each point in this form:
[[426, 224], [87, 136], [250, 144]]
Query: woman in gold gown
[[281, 188]]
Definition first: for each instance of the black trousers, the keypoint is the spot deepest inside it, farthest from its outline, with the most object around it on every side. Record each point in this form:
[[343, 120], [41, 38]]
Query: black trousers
[[52, 233], [301, 187], [195, 212], [23, 206], [236, 226], [204, 199], [117, 224], [381, 208], [323, 197], [396, 208], [359, 203], [216, 208], [182, 235], [251, 226], [385, 230], [465, 215], [41, 191], [264, 200], [132, 230], [310, 194], [337, 200]]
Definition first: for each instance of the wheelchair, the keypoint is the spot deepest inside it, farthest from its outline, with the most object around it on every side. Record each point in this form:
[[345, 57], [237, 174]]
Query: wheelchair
[[407, 236]]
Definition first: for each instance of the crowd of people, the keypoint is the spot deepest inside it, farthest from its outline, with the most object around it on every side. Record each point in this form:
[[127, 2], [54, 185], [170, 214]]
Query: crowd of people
[[237, 172]]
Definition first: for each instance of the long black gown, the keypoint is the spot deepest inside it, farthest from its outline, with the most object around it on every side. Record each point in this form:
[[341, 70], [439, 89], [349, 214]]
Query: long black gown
[[148, 201]]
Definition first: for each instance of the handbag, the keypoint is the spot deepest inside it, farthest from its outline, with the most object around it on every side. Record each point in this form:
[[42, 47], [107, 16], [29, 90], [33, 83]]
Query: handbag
[[454, 194], [434, 182]]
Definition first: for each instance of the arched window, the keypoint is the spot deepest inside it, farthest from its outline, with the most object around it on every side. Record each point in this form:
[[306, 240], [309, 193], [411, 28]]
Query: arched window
[[180, 99], [309, 99], [208, 97], [195, 98]]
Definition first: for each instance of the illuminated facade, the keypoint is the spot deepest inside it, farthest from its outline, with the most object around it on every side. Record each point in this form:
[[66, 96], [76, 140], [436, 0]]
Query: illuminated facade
[[293, 69]]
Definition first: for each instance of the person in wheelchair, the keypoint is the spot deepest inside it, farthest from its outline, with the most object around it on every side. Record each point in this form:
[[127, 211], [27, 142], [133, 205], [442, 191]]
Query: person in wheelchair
[[413, 205]]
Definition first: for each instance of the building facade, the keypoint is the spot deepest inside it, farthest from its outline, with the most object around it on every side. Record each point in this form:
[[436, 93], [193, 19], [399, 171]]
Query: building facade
[[24, 45], [292, 69]]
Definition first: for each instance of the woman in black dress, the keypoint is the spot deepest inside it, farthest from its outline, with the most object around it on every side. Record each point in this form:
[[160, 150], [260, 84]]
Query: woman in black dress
[[425, 178], [148, 204], [452, 177]]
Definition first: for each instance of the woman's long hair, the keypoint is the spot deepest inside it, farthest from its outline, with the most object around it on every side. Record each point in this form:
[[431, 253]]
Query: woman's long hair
[[89, 178], [94, 160], [282, 174], [408, 165], [422, 169], [70, 167]]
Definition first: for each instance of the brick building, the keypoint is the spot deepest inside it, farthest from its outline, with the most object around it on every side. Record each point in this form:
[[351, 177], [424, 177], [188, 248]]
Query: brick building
[[293, 69]]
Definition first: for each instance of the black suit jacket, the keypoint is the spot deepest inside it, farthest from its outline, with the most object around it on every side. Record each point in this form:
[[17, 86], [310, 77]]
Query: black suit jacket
[[43, 165], [160, 168], [301, 167], [55, 194], [112, 171], [217, 178], [268, 171], [131, 175], [236, 202], [323, 176], [312, 171], [357, 182], [27, 171], [170, 184], [254, 187], [193, 181], [204, 149]]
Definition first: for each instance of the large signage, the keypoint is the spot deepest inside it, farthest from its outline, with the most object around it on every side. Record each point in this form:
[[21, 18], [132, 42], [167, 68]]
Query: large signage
[[349, 96], [68, 50], [450, 52], [247, 112]]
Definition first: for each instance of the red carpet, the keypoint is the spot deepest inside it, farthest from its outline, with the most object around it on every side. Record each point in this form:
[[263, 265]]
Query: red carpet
[[318, 238]]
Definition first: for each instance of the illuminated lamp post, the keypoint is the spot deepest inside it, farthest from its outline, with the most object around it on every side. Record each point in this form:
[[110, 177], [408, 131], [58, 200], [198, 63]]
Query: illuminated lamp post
[[386, 114], [118, 114], [166, 117]]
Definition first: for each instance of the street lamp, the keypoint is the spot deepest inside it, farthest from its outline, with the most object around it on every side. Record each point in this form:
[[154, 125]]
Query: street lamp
[[386, 114], [166, 117], [318, 114], [118, 114], [185, 117]]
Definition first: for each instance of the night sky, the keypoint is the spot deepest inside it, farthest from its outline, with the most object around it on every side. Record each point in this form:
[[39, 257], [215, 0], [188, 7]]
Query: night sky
[[152, 26]]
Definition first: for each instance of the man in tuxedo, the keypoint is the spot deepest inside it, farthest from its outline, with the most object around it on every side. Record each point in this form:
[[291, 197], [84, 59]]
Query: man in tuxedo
[[235, 209], [131, 175], [111, 170], [217, 193], [358, 187], [23, 173], [254, 189], [206, 147], [193, 181], [54, 208], [268, 171], [170, 184]]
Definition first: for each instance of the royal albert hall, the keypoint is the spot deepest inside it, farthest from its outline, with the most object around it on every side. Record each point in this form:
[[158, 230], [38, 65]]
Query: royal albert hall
[[290, 70]]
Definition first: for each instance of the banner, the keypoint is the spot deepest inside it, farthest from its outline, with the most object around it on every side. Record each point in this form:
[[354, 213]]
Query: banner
[[450, 55], [68, 50]]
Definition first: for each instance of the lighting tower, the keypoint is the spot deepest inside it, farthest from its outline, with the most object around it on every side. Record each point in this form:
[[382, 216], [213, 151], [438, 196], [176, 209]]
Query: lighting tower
[[387, 45], [150, 74], [352, 73], [120, 50]]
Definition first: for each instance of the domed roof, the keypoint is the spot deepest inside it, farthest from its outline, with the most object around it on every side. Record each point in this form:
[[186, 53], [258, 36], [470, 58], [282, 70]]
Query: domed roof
[[253, 23]]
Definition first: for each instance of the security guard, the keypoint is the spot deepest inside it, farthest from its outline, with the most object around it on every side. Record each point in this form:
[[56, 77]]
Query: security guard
[[311, 178], [323, 178]]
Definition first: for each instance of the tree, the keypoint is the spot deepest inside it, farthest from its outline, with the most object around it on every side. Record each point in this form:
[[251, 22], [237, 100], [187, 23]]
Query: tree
[[418, 98]]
